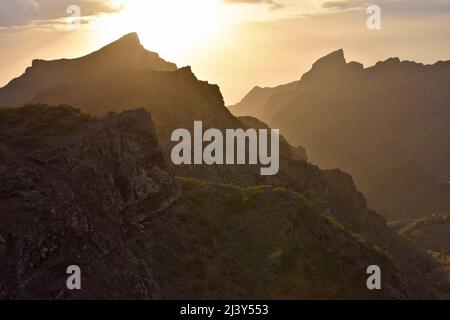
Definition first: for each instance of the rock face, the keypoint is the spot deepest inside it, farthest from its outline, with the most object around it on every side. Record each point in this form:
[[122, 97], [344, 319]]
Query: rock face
[[72, 188], [387, 125]]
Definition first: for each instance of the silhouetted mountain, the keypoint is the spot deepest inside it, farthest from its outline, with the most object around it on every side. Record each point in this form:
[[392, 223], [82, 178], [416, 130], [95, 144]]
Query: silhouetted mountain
[[120, 55], [177, 98], [388, 125], [257, 97]]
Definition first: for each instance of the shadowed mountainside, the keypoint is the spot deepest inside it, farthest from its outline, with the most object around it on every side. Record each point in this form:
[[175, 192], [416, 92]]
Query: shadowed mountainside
[[98, 193], [70, 188]]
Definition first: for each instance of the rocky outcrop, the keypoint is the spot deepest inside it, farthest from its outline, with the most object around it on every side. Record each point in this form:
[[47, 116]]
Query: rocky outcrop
[[72, 188]]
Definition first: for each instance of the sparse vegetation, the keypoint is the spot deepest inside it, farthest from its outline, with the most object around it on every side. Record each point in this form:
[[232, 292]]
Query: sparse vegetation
[[281, 247], [32, 125]]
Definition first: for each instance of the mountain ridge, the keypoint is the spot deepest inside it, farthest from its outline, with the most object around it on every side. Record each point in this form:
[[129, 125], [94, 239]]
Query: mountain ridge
[[126, 52], [379, 123]]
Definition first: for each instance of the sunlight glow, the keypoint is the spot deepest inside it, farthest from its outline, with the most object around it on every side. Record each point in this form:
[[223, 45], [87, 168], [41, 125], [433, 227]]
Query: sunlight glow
[[167, 26]]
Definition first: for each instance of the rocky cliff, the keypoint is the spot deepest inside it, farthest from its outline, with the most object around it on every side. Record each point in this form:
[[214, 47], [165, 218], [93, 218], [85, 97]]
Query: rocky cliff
[[72, 189]]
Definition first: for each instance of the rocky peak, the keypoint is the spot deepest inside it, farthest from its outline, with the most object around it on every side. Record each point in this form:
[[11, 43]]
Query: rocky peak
[[127, 45], [332, 60], [331, 66], [119, 56], [130, 40], [129, 52]]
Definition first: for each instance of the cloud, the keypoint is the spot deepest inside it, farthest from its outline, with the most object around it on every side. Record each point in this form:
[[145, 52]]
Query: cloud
[[398, 8], [340, 4], [15, 13], [273, 5]]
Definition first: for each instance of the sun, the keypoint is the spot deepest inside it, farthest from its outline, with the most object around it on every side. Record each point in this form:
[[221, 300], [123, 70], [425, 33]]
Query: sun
[[169, 27]]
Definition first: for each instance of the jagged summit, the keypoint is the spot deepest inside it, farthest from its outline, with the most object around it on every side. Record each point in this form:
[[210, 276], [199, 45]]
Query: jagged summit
[[329, 67], [335, 58], [128, 51], [123, 54], [131, 38], [128, 43]]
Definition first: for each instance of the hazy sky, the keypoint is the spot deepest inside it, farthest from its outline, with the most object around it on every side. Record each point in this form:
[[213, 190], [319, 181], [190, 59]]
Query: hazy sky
[[235, 43]]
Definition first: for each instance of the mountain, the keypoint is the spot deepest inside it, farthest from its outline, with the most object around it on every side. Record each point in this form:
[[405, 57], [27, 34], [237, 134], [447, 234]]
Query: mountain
[[298, 153], [99, 193], [120, 55], [175, 99], [257, 97], [388, 125]]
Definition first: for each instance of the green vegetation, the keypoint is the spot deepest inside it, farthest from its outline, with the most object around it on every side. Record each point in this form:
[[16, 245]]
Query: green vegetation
[[32, 124], [264, 238]]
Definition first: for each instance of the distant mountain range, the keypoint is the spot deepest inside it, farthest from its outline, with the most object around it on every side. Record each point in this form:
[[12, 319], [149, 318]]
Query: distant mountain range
[[388, 125], [96, 186]]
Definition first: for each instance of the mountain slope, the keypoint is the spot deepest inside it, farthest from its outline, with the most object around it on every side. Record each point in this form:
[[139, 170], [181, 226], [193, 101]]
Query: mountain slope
[[265, 243], [98, 193], [431, 232], [388, 125]]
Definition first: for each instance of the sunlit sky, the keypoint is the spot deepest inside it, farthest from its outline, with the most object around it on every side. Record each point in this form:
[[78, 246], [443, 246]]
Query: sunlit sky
[[235, 43]]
